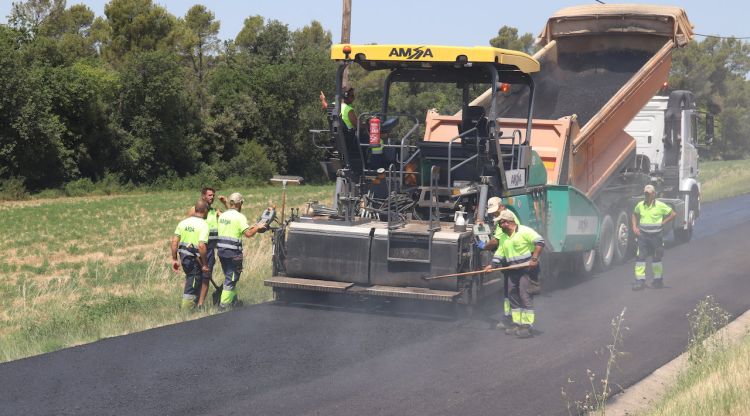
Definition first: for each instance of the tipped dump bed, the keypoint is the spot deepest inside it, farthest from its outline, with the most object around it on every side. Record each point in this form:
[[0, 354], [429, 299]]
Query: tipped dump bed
[[601, 64]]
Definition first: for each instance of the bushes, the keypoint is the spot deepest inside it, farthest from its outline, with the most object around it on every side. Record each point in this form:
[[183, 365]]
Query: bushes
[[13, 189], [79, 187], [251, 167]]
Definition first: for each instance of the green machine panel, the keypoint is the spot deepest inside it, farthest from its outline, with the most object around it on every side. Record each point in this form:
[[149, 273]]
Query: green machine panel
[[572, 220]]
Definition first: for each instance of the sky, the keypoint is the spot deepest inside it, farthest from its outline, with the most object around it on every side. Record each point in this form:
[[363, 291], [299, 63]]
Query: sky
[[437, 22]]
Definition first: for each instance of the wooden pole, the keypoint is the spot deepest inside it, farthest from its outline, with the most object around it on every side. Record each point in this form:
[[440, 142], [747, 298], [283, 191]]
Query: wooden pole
[[346, 31], [497, 269]]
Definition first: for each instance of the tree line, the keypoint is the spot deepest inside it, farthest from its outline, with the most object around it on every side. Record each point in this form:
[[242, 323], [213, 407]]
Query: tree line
[[141, 96]]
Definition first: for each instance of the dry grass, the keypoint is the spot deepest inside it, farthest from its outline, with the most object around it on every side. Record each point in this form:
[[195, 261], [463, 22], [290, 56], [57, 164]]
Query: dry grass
[[719, 386]]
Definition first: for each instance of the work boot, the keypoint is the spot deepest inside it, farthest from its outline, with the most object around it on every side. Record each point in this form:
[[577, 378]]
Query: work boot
[[639, 284], [511, 330], [657, 283], [524, 332]]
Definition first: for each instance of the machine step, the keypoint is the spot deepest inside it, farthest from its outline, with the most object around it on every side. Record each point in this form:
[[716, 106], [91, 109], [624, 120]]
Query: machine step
[[413, 293], [284, 282]]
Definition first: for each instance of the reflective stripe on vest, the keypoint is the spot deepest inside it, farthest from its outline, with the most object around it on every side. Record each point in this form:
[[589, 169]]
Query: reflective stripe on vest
[[188, 250], [651, 216], [230, 243]]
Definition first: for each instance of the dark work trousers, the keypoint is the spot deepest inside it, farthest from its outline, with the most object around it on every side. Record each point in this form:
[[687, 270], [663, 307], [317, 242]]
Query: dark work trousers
[[650, 245], [232, 269], [521, 301], [193, 278]]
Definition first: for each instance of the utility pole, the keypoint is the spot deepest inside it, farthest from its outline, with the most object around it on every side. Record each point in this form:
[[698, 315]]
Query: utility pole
[[346, 29]]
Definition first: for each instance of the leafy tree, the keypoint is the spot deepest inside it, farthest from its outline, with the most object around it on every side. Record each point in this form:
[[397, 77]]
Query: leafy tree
[[248, 36], [29, 15], [200, 38], [716, 71], [136, 26], [156, 118], [507, 38]]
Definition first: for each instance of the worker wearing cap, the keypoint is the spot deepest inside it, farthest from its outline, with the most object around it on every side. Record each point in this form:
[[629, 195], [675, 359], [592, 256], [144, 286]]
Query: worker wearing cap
[[232, 226], [189, 240], [495, 206], [521, 247], [212, 219], [649, 218]]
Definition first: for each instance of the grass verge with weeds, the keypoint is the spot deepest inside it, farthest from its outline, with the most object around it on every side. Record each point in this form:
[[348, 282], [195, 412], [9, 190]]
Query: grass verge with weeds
[[717, 378], [595, 400]]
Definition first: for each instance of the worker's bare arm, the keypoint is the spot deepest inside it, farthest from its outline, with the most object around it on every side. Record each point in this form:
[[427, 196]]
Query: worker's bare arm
[[173, 246]]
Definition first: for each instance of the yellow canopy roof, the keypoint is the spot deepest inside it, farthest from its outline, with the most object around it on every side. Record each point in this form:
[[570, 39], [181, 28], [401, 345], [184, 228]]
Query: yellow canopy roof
[[434, 54]]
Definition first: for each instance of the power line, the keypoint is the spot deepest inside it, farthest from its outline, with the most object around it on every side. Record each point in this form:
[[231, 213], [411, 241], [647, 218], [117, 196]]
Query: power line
[[722, 37]]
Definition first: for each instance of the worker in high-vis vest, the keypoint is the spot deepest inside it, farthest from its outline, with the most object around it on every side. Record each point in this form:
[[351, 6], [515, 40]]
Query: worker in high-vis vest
[[190, 242], [521, 248], [495, 206], [212, 219], [350, 119], [649, 218], [232, 226]]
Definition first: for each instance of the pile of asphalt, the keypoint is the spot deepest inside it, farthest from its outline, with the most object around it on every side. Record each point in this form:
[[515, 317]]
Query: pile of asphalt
[[579, 83]]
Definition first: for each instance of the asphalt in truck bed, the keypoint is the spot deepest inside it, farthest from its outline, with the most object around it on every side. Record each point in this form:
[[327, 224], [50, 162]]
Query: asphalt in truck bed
[[272, 359]]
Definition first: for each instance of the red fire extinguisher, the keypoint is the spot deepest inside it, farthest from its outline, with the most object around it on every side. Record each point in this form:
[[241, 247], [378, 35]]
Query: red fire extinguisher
[[374, 132]]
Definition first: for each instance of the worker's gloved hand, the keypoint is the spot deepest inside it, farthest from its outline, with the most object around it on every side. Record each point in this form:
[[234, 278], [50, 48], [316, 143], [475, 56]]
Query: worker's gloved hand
[[176, 265], [480, 244]]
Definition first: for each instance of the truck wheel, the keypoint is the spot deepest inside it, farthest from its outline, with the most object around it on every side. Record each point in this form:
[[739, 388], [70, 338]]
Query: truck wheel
[[622, 238], [683, 235], [605, 248], [583, 262]]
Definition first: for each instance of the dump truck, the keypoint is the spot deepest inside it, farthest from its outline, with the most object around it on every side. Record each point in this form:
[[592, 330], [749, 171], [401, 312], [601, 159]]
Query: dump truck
[[600, 65], [548, 135]]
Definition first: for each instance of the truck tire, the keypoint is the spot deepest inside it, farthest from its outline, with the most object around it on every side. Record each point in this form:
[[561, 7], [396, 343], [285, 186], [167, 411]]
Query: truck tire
[[605, 248], [682, 235], [623, 238], [583, 263]]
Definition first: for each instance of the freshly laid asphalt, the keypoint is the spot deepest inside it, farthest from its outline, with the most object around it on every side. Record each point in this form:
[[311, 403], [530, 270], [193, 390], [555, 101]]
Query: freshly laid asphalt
[[274, 359]]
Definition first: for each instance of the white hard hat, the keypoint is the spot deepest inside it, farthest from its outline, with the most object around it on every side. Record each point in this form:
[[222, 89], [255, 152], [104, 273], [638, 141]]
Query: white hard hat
[[649, 189]]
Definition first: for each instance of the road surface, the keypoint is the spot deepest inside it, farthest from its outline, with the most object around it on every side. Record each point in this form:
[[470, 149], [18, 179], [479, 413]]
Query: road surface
[[290, 360]]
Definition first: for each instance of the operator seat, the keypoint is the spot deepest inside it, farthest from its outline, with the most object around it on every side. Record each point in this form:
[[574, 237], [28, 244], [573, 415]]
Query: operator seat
[[473, 117]]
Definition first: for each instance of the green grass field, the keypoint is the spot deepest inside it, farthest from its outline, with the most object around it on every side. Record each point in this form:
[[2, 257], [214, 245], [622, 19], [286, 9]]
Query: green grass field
[[81, 269], [721, 179]]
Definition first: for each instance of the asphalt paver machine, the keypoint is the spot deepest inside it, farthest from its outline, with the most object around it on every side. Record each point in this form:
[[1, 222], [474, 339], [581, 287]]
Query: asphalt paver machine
[[414, 212]]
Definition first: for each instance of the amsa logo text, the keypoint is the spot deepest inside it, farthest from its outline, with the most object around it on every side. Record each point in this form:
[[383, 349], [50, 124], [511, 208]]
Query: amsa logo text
[[411, 53]]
